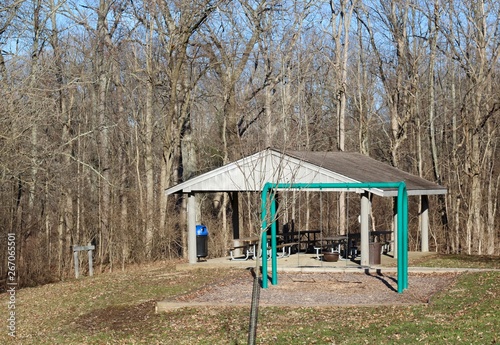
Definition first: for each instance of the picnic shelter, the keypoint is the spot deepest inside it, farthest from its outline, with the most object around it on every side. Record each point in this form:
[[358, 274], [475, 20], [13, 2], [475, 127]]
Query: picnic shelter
[[251, 173]]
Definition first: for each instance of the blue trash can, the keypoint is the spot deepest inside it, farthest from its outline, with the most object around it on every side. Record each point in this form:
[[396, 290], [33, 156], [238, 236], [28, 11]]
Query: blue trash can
[[201, 241]]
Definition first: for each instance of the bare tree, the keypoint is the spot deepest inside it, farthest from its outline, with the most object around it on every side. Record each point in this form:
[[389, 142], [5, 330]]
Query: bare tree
[[341, 26], [477, 50], [397, 75], [174, 33]]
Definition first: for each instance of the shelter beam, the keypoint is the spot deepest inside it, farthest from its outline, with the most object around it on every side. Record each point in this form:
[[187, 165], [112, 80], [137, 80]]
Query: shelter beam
[[191, 228], [395, 227], [365, 236], [235, 214], [424, 223]]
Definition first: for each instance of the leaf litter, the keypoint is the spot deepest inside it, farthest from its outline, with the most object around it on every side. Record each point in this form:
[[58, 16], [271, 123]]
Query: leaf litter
[[323, 290]]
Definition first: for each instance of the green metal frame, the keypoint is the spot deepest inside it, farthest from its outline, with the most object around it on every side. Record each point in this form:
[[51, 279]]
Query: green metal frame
[[402, 226]]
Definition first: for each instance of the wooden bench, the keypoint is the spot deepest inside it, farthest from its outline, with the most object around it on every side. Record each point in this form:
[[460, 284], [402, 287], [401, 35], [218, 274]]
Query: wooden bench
[[286, 249]]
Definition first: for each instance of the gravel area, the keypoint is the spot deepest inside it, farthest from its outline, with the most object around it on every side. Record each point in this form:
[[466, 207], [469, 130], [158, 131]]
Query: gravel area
[[323, 289]]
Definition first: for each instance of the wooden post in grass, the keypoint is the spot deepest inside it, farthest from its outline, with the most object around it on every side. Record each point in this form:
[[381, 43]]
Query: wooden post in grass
[[76, 249]]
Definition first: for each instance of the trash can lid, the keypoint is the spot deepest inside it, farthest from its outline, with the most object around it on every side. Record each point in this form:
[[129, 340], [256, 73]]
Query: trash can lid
[[201, 230]]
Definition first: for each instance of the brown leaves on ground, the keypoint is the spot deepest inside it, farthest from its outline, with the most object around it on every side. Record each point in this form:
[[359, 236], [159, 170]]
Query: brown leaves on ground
[[119, 307], [128, 318], [324, 290]]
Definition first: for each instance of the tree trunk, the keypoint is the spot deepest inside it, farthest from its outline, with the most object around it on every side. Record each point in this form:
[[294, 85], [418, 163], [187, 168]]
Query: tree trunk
[[492, 196], [341, 24], [362, 97], [148, 152], [100, 113], [433, 25]]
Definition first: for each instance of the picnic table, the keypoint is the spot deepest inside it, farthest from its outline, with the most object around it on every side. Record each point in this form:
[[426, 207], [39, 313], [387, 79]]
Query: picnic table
[[309, 238], [244, 248], [375, 236], [381, 236], [333, 244]]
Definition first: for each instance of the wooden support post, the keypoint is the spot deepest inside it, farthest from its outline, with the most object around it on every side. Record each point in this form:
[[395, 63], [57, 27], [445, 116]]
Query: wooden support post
[[235, 214], [89, 248], [424, 223], [365, 235], [91, 267], [77, 263], [191, 227]]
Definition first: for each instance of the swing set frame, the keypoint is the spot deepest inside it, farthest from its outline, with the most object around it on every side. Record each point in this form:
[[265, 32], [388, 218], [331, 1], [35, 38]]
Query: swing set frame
[[402, 222]]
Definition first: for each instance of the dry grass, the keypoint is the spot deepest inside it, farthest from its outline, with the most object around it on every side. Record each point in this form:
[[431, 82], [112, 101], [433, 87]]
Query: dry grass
[[118, 308]]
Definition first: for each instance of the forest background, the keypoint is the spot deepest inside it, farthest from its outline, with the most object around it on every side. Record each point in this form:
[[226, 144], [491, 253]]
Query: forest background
[[105, 104]]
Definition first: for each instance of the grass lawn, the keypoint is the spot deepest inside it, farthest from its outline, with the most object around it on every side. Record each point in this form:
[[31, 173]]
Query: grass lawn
[[118, 308]]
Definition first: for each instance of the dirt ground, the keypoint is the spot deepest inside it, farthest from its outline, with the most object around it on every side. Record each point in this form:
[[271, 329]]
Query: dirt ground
[[322, 289]]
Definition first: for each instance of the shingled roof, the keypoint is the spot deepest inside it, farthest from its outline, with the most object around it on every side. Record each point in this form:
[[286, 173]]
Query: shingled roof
[[252, 172], [362, 168]]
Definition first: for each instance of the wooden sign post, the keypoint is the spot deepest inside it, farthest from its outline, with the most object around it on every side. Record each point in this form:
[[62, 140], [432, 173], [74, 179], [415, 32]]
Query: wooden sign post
[[89, 248]]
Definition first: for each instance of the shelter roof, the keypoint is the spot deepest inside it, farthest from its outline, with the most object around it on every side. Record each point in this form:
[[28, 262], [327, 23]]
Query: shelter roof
[[252, 172]]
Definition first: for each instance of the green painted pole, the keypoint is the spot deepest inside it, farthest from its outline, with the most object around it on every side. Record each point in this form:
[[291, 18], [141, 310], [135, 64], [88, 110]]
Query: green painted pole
[[274, 256], [263, 239], [405, 239], [400, 238]]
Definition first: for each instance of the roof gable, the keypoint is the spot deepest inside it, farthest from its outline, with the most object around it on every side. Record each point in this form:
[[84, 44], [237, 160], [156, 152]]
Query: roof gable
[[252, 172]]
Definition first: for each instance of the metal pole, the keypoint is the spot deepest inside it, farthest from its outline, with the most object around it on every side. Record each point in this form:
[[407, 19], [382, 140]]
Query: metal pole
[[263, 239], [405, 238], [254, 309], [274, 258], [400, 239], [395, 222]]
